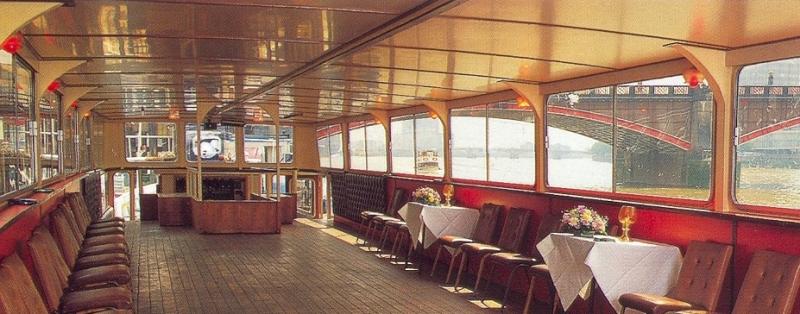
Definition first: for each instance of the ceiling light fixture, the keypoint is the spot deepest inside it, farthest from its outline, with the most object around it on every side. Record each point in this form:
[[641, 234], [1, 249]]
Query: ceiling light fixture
[[693, 77], [12, 44]]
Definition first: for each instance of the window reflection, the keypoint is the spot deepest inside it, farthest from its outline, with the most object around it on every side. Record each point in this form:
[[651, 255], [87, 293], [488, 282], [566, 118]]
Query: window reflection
[[417, 145], [214, 144], [259, 143], [768, 124], [150, 141], [650, 138]]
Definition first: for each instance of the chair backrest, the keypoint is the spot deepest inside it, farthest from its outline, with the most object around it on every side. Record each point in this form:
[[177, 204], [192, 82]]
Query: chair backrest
[[62, 231], [549, 224], [770, 285], [514, 228], [702, 274], [18, 293], [398, 200], [81, 217], [487, 223], [50, 267]]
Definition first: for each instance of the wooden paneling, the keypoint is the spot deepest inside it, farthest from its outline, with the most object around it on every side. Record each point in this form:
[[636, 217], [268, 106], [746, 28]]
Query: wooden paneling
[[174, 210], [236, 216], [149, 204], [288, 205]]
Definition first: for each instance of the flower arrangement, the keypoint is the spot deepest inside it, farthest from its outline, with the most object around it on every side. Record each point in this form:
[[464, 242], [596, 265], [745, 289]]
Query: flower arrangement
[[427, 196], [584, 220]]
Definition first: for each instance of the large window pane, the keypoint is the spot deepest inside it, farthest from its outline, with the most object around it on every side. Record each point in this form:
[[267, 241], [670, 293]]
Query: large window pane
[[768, 122], [357, 146], [468, 144], [663, 139], [259, 143], [50, 124], [323, 147], [512, 156], [376, 147], [403, 144], [68, 145], [429, 142], [85, 142], [150, 141], [214, 145], [16, 148], [655, 136], [336, 145], [580, 135]]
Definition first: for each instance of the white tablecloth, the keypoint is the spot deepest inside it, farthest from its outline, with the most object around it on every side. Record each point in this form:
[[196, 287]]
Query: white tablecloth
[[617, 267], [438, 221]]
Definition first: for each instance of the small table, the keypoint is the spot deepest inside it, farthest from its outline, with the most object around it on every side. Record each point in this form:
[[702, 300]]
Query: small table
[[437, 221], [616, 267]]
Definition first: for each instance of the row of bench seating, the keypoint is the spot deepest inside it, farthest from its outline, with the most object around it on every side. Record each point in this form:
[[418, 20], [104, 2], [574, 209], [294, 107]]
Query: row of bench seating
[[78, 266]]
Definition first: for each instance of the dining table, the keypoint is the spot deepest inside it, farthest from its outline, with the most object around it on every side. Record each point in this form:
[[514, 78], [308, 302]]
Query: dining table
[[577, 263], [427, 223]]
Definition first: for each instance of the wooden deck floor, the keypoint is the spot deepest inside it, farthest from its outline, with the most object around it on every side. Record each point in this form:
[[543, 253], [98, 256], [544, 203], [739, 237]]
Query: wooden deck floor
[[306, 269]]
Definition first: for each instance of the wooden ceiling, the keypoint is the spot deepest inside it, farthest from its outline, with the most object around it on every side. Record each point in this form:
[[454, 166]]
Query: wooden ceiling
[[319, 60]]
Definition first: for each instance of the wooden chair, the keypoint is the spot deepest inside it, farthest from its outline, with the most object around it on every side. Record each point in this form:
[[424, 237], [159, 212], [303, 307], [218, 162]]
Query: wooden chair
[[511, 239], [699, 282], [484, 231]]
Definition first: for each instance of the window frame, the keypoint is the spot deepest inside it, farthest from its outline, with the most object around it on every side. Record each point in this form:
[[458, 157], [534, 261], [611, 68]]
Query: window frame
[[488, 181], [277, 136], [32, 133], [705, 204], [175, 141], [363, 124], [327, 137], [54, 136], [391, 165], [738, 206]]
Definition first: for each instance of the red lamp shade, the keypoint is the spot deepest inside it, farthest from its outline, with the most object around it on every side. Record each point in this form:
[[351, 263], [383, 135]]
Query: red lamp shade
[[693, 77], [12, 44], [433, 115], [55, 85], [74, 105]]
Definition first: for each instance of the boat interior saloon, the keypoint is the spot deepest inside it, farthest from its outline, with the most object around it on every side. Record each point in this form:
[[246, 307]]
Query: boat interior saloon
[[400, 156]]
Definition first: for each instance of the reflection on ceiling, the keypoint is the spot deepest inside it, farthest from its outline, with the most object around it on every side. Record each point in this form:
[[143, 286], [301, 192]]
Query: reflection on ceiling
[[319, 60]]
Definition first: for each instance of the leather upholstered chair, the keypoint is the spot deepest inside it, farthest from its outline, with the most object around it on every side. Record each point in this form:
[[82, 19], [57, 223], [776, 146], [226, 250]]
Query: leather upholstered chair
[[399, 199], [70, 247], [484, 232], [518, 261], [770, 285], [379, 222], [699, 282], [67, 292], [511, 239], [18, 293]]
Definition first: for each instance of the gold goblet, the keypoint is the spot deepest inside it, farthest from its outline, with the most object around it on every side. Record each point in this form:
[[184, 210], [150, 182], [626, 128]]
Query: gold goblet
[[447, 191], [627, 216]]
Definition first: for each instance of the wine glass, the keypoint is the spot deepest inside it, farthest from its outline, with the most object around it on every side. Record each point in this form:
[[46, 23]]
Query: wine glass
[[447, 191], [627, 217]]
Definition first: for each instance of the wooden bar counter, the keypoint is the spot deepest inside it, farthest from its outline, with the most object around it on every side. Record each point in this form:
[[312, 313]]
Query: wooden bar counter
[[236, 216], [174, 209]]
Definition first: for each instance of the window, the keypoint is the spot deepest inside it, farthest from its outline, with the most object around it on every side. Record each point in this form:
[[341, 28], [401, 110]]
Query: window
[[376, 147], [329, 145], [69, 142], [494, 142], [417, 145], [16, 111], [367, 146], [50, 124], [259, 143], [85, 148], [214, 145], [648, 138], [150, 141], [768, 124]]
